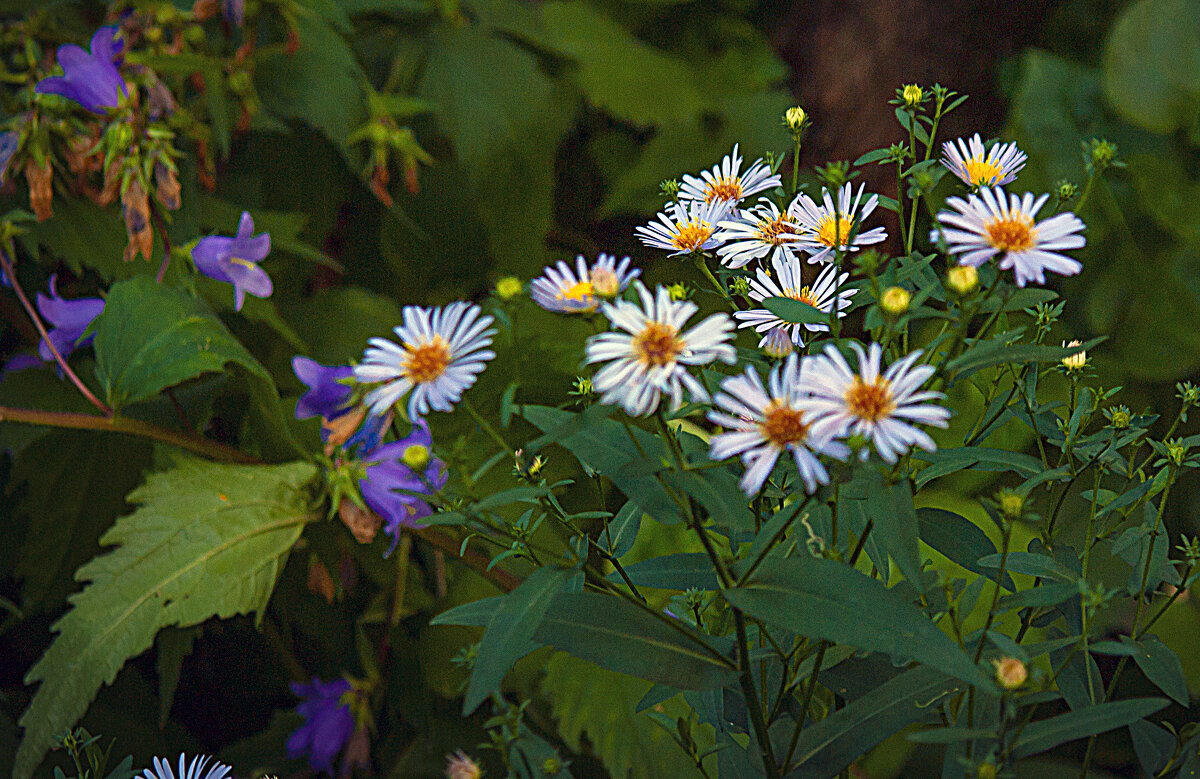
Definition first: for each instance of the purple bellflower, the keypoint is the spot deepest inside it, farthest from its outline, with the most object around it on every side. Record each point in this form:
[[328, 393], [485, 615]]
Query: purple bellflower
[[328, 722], [92, 80], [234, 11], [326, 396], [235, 259], [393, 489], [69, 319], [8, 147]]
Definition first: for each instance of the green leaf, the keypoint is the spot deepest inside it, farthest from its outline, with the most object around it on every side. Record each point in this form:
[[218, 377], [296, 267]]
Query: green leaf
[[673, 572], [1032, 564], [960, 540], [173, 645], [151, 337], [992, 352], [510, 631], [476, 613], [891, 506], [1049, 733], [615, 634], [1151, 64], [1161, 666], [621, 531], [794, 311], [831, 744], [830, 600], [207, 540], [629, 743]]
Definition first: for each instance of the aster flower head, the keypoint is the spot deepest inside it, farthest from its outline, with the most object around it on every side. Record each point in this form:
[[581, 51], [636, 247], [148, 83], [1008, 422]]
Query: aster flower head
[[787, 282], [757, 233], [684, 227], [979, 167], [461, 766], [993, 223], [580, 290], [878, 405], [234, 260], [649, 353], [69, 320], [826, 230], [764, 422], [90, 79], [328, 722], [727, 183], [398, 474], [327, 396], [440, 354], [198, 768]]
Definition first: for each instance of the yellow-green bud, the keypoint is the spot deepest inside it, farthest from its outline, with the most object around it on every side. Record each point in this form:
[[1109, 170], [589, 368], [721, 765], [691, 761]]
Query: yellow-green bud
[[986, 771], [913, 95], [1012, 504], [1120, 417], [795, 118], [1065, 190], [678, 291], [551, 766], [240, 83], [1104, 153], [1176, 451], [153, 33], [1011, 673], [669, 188], [895, 300], [416, 457], [962, 280], [508, 287], [739, 285], [1075, 362]]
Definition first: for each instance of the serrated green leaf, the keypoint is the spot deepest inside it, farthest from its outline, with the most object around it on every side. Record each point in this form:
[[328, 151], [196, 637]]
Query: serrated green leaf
[[832, 601], [1049, 733], [207, 540]]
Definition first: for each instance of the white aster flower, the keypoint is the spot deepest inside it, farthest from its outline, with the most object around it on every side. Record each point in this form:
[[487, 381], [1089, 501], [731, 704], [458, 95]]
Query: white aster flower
[[992, 223], [766, 422], [684, 227], [569, 291], [825, 230], [197, 769], [650, 358], [979, 167], [877, 406], [787, 282], [757, 233], [726, 182], [440, 353]]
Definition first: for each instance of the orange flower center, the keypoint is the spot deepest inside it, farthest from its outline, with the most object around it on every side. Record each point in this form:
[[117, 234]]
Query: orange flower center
[[723, 189], [657, 345], [426, 361], [690, 236], [1011, 235], [773, 231], [834, 231], [871, 402], [784, 425]]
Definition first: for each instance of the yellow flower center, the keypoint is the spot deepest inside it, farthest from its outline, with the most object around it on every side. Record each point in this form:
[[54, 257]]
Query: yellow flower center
[[427, 361], [773, 231], [980, 171], [784, 425], [579, 291], [1014, 234], [870, 402], [657, 345], [605, 283], [690, 236], [723, 189], [834, 231], [805, 295]]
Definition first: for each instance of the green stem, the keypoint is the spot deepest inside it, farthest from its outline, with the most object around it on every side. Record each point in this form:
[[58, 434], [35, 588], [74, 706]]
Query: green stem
[[487, 427], [796, 169], [698, 258]]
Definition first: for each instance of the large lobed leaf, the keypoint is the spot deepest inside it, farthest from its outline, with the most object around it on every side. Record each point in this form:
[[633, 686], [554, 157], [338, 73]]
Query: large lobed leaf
[[207, 540]]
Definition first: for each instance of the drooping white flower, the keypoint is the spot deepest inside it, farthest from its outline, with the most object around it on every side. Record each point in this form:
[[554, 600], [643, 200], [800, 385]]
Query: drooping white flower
[[198, 768], [727, 183], [684, 227], [787, 282], [441, 351], [993, 223], [978, 167], [757, 233], [649, 354], [765, 422], [879, 406], [825, 230], [569, 291]]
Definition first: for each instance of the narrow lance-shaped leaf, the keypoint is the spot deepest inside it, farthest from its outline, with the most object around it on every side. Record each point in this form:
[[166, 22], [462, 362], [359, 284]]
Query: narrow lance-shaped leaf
[[1049, 733]]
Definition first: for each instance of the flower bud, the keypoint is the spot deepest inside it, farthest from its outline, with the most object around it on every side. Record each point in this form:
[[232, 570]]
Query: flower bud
[[739, 285], [1011, 673], [166, 187], [795, 118], [1176, 451], [895, 300], [135, 207], [778, 343], [679, 291], [1103, 154], [1012, 503], [582, 387], [41, 193], [962, 280], [508, 287], [1119, 417], [986, 771], [1075, 362], [461, 766], [416, 457], [669, 189], [912, 95], [1065, 190], [551, 766]]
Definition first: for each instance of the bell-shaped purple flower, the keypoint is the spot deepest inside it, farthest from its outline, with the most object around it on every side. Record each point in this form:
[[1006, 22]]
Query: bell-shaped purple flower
[[8, 147], [398, 474], [234, 11], [234, 260], [327, 396], [92, 80], [69, 319], [328, 722]]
